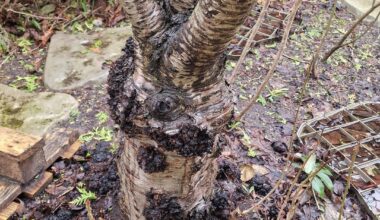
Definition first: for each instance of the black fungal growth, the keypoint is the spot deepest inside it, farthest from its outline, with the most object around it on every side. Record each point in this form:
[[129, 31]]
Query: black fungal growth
[[190, 141], [151, 160], [122, 106], [162, 207], [228, 171]]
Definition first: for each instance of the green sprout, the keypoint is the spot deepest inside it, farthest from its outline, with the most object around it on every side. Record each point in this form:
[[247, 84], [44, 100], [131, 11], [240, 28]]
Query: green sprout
[[83, 197]]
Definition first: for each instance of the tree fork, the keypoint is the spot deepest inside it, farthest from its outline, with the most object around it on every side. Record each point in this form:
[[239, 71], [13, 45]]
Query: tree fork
[[168, 94]]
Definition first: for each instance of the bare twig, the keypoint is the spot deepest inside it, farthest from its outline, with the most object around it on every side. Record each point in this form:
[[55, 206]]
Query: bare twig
[[362, 34], [89, 210], [287, 168], [353, 27], [34, 16], [275, 62], [315, 59], [295, 181], [248, 45], [353, 159]]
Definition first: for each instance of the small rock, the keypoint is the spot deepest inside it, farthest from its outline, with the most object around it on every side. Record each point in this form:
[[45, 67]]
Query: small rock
[[97, 22], [338, 188], [279, 147]]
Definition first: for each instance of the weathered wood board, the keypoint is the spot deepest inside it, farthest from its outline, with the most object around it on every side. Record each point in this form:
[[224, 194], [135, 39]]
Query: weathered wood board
[[7, 212], [36, 186], [22, 155], [70, 151], [9, 190], [57, 142]]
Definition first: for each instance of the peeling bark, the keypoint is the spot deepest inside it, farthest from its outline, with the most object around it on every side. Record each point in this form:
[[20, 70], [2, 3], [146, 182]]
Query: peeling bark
[[168, 94]]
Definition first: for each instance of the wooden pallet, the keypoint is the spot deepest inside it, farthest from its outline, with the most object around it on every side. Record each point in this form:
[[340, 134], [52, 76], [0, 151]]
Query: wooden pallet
[[25, 157]]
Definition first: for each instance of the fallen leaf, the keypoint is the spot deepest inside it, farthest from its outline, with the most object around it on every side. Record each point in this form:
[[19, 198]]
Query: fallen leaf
[[261, 170], [246, 172]]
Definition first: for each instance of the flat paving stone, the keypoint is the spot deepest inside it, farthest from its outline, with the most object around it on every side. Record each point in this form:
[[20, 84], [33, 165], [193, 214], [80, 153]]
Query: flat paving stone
[[33, 113], [75, 59], [359, 7]]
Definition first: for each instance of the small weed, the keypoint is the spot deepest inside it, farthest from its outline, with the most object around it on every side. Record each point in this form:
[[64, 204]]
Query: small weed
[[24, 44], [77, 27], [365, 53], [246, 140], [248, 190], [257, 54], [321, 180], [27, 66], [113, 148], [278, 117], [84, 196], [314, 33], [84, 5], [102, 117], [88, 154], [102, 134], [251, 153], [74, 114], [230, 65], [249, 64], [272, 45], [276, 93], [234, 125], [27, 82], [88, 24], [262, 100]]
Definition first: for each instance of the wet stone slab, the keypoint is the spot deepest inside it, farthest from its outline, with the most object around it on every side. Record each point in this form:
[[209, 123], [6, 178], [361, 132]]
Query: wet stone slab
[[360, 7], [76, 59], [33, 113]]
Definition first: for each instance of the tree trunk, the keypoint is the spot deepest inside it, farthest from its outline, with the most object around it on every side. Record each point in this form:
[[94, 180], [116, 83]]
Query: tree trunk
[[168, 94]]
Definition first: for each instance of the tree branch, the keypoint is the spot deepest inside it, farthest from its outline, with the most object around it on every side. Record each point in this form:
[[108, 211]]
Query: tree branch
[[281, 50], [198, 45], [147, 18], [248, 45], [183, 5], [359, 21]]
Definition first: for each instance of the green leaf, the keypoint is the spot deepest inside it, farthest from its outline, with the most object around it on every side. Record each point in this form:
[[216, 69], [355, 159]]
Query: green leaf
[[310, 164], [318, 187], [326, 180], [326, 171], [36, 24], [251, 153]]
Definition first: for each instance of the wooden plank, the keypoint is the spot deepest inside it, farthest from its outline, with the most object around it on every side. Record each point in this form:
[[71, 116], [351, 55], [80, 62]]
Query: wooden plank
[[7, 212], [22, 156], [17, 144], [9, 190], [36, 186], [69, 153], [57, 142]]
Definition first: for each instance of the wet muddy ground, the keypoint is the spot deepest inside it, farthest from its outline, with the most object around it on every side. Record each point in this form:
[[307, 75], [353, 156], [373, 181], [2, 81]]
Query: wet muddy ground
[[351, 75]]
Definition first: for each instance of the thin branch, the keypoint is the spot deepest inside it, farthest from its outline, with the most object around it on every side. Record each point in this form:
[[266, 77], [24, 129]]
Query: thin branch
[[315, 59], [33, 16], [353, 27], [275, 62], [362, 34], [248, 45], [353, 159]]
